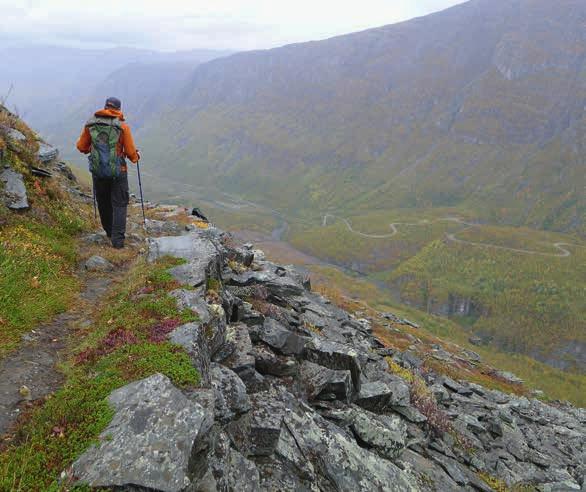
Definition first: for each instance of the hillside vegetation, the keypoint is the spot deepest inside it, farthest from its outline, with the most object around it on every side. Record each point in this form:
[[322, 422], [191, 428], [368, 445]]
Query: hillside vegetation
[[38, 251], [362, 294], [509, 285], [479, 107]]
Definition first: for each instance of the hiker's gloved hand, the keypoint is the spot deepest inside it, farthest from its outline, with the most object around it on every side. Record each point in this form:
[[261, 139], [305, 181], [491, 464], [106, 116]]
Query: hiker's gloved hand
[[138, 155]]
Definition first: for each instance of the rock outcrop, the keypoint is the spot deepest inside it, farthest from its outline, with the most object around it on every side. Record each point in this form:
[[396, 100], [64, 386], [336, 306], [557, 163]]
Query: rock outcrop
[[14, 190], [297, 394], [47, 153]]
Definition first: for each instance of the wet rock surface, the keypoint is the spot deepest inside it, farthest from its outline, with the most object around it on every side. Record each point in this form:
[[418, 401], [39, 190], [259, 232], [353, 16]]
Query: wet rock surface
[[297, 395], [98, 264], [47, 153], [149, 442], [13, 191]]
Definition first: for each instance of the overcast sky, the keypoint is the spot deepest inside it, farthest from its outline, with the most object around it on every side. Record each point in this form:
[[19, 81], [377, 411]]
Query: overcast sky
[[191, 24]]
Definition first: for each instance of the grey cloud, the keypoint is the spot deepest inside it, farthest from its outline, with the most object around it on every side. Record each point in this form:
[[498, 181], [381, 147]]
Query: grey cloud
[[171, 33]]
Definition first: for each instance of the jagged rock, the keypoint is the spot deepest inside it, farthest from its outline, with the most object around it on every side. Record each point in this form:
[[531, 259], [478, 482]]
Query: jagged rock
[[475, 341], [342, 463], [13, 133], [195, 273], [410, 413], [192, 338], [281, 287], [451, 467], [47, 153], [244, 256], [509, 377], [431, 476], [14, 192], [378, 396], [160, 227], [66, 171], [266, 421], [440, 393], [289, 469], [98, 264], [212, 317], [390, 317], [456, 387], [471, 423], [193, 299], [267, 362], [206, 398], [335, 356], [97, 238], [250, 317], [385, 434], [471, 355], [231, 470], [279, 338], [151, 415], [230, 392], [405, 321], [201, 253], [441, 354], [321, 382], [408, 359], [241, 357], [233, 306]]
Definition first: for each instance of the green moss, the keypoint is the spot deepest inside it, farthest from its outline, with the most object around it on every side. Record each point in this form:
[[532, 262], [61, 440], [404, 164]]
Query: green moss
[[213, 285], [60, 430], [140, 361], [36, 277]]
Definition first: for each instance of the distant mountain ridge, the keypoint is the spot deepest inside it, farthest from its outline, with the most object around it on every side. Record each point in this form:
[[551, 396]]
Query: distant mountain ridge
[[480, 106], [42, 81]]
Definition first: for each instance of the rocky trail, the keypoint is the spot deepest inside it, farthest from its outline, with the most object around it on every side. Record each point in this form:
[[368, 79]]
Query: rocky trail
[[563, 252], [31, 373], [298, 394]]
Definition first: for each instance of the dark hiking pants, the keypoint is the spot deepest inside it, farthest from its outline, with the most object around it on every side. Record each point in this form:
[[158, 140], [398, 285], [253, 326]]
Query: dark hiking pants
[[112, 197]]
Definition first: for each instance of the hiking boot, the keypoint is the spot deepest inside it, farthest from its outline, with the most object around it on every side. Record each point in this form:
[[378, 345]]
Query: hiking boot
[[118, 246]]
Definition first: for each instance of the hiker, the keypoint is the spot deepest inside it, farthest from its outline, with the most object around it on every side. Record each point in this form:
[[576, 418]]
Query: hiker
[[108, 140]]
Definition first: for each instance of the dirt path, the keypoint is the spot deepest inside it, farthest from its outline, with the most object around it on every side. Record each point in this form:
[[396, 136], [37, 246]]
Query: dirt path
[[563, 252], [34, 364]]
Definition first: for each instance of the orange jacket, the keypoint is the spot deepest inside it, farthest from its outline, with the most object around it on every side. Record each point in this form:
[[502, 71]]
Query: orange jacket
[[125, 146]]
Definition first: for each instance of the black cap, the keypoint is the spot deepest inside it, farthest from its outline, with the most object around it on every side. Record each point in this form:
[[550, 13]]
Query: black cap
[[113, 102]]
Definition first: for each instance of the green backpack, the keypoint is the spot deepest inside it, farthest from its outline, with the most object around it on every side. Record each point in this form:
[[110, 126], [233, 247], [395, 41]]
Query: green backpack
[[104, 161]]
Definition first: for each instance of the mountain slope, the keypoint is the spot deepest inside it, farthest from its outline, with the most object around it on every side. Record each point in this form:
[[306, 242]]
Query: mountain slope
[[479, 106]]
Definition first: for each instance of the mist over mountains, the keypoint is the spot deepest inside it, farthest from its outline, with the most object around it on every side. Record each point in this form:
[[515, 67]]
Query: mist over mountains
[[481, 106], [44, 81]]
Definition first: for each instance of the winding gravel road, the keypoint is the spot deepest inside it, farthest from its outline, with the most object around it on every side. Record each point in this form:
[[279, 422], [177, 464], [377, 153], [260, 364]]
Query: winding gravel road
[[563, 252]]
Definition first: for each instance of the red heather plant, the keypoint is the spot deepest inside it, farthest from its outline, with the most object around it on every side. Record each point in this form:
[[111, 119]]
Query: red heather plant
[[159, 332], [424, 401], [268, 310], [113, 340]]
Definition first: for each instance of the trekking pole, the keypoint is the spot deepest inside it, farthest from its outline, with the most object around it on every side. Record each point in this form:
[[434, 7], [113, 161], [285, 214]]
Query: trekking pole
[[94, 193], [141, 197]]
